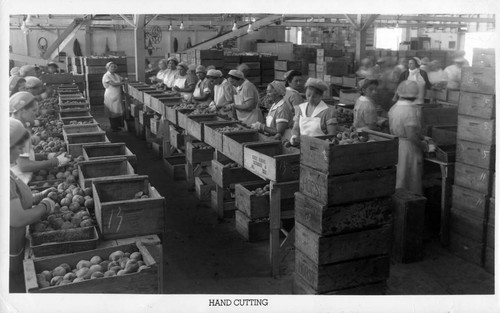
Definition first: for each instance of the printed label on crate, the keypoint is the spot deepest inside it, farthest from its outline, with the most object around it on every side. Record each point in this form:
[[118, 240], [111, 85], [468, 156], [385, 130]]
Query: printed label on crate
[[259, 164]]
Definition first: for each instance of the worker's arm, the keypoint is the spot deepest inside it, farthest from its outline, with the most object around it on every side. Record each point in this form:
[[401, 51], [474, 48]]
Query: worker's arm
[[27, 165], [248, 101], [415, 138], [20, 217]]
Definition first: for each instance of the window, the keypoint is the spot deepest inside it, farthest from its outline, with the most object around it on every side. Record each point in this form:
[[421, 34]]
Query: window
[[388, 38], [483, 40]]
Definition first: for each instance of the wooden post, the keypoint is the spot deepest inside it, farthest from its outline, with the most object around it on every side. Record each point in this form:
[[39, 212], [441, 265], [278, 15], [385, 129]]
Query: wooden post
[[140, 52], [88, 41], [274, 228], [189, 165], [220, 201]]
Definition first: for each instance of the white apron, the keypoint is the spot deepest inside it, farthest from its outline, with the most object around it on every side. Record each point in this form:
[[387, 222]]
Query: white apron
[[169, 78], [181, 83], [311, 126], [112, 96], [421, 87], [197, 90], [270, 119], [410, 166], [247, 117]]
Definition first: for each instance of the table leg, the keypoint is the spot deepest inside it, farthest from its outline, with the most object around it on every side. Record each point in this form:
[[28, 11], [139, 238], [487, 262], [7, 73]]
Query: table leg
[[220, 202], [274, 228], [446, 190]]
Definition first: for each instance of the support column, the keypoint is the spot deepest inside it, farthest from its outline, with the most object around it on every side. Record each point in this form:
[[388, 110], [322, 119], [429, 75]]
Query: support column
[[140, 52], [88, 41], [360, 45]]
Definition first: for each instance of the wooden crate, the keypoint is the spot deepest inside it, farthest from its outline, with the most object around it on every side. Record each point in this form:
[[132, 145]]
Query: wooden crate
[[214, 137], [195, 124], [453, 95], [149, 95], [175, 166], [153, 125], [74, 113], [330, 220], [483, 58], [491, 211], [476, 154], [337, 276], [79, 129], [83, 238], [229, 205], [225, 176], [203, 187], [75, 149], [285, 66], [408, 233], [343, 247], [301, 287], [135, 93], [119, 215], [233, 144], [319, 154], [466, 248], [465, 225], [349, 96], [334, 190], [251, 230], [444, 135], [349, 82], [478, 79], [476, 104], [489, 260], [273, 161], [110, 150], [198, 152], [490, 235], [74, 105], [470, 202], [176, 137], [473, 177], [89, 170], [436, 116], [68, 120], [476, 130], [145, 281], [182, 117]]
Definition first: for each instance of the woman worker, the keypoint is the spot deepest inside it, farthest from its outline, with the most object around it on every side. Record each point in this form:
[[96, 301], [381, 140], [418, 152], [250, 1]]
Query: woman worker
[[171, 73], [246, 99], [113, 107], [365, 110], [25, 207], [414, 73], [293, 83], [204, 89], [184, 84], [279, 120], [223, 93], [162, 72], [24, 108], [404, 122], [16, 84], [314, 117]]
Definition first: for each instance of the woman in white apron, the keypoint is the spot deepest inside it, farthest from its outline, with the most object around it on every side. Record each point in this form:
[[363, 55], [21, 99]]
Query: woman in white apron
[[113, 107], [314, 117], [279, 120], [162, 71], [404, 122], [293, 84], [420, 77], [204, 90], [184, 84], [170, 73], [223, 93], [246, 100]]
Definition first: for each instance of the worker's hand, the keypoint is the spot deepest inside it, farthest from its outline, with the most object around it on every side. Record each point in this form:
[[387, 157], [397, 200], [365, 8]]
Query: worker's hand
[[36, 123], [176, 88], [277, 136], [48, 190], [49, 204], [294, 140], [63, 160], [257, 126], [51, 155]]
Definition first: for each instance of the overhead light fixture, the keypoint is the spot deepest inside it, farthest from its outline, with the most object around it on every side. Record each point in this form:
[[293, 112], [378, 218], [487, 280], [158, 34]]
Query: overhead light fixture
[[182, 25], [235, 27], [249, 30]]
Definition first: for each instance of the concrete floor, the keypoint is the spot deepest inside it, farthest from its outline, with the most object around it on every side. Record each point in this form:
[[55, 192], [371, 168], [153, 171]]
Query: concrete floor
[[207, 256]]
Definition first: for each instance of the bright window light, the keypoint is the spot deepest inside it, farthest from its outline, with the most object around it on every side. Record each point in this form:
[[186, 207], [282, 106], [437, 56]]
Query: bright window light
[[483, 40], [388, 38]]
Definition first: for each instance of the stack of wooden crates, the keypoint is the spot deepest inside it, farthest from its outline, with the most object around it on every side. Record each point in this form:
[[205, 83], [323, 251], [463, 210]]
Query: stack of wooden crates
[[95, 68], [472, 217], [343, 215]]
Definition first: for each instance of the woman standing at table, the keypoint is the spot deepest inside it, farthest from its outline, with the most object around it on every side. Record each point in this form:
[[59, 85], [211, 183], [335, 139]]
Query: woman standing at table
[[184, 84], [314, 117], [113, 108], [293, 84], [246, 99], [414, 73], [160, 76], [170, 73], [365, 110]]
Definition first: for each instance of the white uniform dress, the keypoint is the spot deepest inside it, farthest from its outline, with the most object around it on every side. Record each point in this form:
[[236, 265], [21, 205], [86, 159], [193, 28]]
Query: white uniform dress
[[365, 113], [169, 77], [316, 124], [248, 93], [415, 76], [280, 112], [112, 95], [410, 159]]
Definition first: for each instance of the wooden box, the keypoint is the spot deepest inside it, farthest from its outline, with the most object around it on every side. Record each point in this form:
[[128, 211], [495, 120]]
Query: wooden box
[[333, 220], [154, 124], [76, 150], [287, 65], [198, 152], [108, 151], [435, 116], [120, 215], [145, 281], [149, 95], [203, 187], [301, 287], [478, 79], [74, 113], [476, 104], [337, 276], [453, 95], [444, 135], [182, 117], [229, 205], [134, 109], [473, 177], [171, 114], [254, 206], [89, 170], [491, 211], [476, 130], [342, 247], [195, 124], [251, 230], [273, 161], [349, 82], [349, 96], [214, 138], [175, 166], [324, 156], [337, 80], [439, 94], [224, 176], [82, 128], [45, 244], [408, 233], [86, 119], [176, 137], [465, 225], [489, 260], [490, 235], [233, 143], [483, 58], [334, 190], [476, 154], [466, 248], [74, 105], [470, 202]]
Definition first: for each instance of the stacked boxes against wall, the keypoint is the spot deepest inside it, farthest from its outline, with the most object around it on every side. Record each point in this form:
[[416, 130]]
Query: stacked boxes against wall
[[210, 57], [267, 68], [329, 63], [343, 218], [281, 67], [95, 68], [253, 63], [472, 213], [230, 62]]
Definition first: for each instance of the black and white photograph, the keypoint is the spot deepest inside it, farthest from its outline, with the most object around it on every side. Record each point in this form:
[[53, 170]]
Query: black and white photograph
[[261, 156]]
